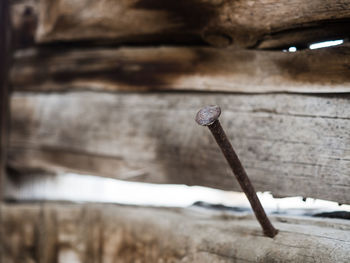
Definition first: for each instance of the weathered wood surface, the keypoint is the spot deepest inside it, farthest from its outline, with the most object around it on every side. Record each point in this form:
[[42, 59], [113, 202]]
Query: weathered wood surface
[[24, 21], [109, 233], [217, 22], [5, 38], [182, 68], [303, 37], [263, 24], [291, 145]]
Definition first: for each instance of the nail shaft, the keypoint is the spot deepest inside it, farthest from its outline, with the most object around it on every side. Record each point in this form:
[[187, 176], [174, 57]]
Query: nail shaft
[[209, 117]]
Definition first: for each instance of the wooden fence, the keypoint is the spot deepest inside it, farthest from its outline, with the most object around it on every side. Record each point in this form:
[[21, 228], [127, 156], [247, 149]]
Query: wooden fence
[[111, 87]]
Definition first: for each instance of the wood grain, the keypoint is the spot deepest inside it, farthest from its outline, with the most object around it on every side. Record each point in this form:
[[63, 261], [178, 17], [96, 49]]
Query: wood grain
[[182, 68], [217, 22], [24, 22], [261, 24], [19, 234], [110, 233], [5, 54], [291, 145]]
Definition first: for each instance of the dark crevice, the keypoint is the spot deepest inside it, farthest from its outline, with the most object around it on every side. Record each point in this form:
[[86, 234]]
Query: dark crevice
[[167, 41], [336, 214], [220, 207], [147, 41], [302, 37], [302, 212]]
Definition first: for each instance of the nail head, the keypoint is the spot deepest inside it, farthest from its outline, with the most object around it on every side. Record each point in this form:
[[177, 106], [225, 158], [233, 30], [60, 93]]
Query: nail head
[[207, 115]]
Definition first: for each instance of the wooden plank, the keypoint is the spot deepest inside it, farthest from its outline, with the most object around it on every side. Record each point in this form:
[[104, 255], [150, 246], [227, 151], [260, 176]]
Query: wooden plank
[[24, 22], [291, 145], [19, 233], [4, 75], [217, 22], [303, 37], [182, 68], [110, 233], [321, 21]]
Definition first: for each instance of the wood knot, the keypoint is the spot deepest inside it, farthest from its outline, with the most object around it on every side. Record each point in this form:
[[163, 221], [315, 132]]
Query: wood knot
[[217, 39]]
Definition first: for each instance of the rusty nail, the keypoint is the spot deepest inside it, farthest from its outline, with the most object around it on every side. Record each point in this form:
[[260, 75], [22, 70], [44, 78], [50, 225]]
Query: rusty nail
[[209, 116]]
